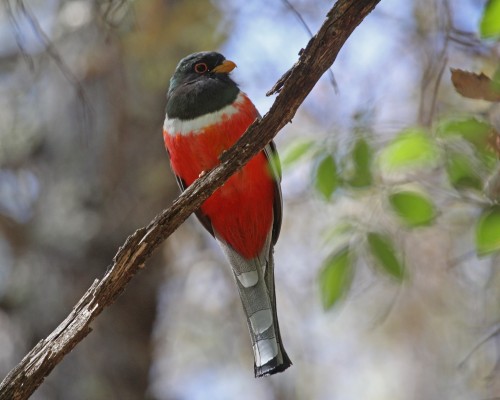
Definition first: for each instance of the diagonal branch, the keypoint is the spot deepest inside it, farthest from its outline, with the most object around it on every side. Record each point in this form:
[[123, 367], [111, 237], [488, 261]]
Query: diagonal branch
[[293, 88], [306, 27]]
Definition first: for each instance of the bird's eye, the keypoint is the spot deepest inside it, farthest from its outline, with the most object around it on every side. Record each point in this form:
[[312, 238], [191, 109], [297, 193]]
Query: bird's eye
[[201, 68]]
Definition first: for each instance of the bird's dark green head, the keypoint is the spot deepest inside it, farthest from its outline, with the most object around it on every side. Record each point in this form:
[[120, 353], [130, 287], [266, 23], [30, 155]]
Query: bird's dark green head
[[201, 85]]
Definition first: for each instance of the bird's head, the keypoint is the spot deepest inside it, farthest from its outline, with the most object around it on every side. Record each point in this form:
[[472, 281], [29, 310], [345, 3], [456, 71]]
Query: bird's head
[[200, 85]]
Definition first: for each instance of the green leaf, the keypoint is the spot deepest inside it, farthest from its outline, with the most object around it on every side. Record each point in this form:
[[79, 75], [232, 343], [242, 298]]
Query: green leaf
[[414, 208], [413, 148], [489, 26], [341, 231], [488, 231], [296, 151], [461, 173], [336, 277], [472, 130], [362, 155], [326, 180], [385, 256]]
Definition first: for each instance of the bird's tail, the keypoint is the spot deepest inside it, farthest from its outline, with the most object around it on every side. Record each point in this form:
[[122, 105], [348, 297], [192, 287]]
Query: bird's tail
[[255, 281]]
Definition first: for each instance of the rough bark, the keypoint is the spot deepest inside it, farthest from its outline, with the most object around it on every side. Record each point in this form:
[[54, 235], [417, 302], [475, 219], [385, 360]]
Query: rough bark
[[293, 87]]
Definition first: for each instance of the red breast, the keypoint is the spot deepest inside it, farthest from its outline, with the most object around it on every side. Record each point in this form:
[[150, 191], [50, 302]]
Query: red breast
[[241, 211]]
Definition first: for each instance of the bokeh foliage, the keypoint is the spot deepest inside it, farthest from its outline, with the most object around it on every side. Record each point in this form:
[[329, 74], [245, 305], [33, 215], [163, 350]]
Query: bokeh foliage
[[464, 151]]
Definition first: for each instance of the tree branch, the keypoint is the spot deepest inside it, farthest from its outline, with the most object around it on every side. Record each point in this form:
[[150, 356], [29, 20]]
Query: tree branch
[[293, 88]]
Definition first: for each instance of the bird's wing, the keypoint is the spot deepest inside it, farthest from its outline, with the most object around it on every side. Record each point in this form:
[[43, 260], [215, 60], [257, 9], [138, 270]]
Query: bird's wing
[[203, 218], [275, 168]]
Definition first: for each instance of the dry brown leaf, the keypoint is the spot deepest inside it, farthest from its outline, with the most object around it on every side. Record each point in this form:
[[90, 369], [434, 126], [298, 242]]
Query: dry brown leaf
[[474, 86]]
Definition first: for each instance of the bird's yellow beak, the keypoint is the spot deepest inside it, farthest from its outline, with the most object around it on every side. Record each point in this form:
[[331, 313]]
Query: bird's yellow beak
[[226, 67]]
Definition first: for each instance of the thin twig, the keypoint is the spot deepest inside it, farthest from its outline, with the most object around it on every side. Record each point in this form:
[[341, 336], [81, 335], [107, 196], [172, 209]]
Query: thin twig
[[495, 331], [437, 61], [18, 36], [306, 27], [50, 49]]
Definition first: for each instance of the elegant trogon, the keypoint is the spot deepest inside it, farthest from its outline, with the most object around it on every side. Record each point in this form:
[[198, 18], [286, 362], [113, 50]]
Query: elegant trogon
[[206, 114]]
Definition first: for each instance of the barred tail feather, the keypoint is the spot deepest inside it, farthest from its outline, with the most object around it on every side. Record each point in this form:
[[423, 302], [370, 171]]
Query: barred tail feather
[[255, 282], [281, 361]]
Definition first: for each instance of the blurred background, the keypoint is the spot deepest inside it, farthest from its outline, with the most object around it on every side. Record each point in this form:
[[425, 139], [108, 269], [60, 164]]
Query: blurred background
[[372, 304]]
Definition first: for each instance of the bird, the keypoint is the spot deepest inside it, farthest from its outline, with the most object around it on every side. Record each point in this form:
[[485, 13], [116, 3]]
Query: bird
[[206, 113]]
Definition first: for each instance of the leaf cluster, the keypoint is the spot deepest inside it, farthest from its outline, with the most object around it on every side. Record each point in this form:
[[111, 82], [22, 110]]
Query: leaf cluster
[[459, 150]]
